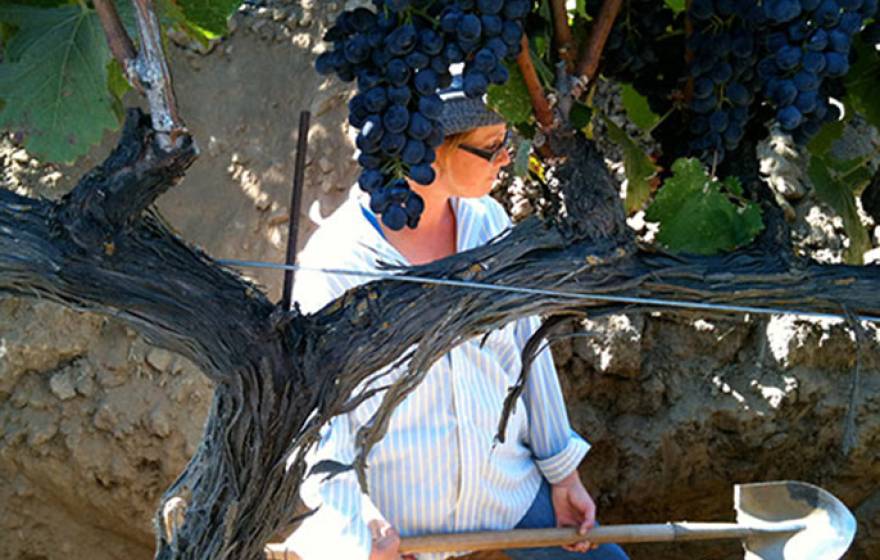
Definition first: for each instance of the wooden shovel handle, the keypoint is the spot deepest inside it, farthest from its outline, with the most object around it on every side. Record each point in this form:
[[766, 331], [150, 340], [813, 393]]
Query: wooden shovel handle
[[535, 538]]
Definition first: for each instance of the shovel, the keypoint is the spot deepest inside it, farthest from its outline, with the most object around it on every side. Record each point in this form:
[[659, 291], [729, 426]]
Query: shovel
[[783, 520]]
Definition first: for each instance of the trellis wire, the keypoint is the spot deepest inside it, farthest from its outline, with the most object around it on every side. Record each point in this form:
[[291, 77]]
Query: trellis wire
[[545, 292]]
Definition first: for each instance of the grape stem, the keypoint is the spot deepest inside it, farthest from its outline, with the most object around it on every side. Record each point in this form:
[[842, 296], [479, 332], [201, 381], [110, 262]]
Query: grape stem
[[588, 64], [562, 34]]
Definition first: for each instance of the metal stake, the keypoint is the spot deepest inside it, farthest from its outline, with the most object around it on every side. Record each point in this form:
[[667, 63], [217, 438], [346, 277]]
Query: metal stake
[[295, 203]]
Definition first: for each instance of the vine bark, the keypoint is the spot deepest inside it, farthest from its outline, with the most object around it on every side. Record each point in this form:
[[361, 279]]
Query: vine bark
[[280, 375]]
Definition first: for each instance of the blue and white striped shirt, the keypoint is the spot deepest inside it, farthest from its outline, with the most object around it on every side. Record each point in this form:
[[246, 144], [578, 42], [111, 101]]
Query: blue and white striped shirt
[[436, 469]]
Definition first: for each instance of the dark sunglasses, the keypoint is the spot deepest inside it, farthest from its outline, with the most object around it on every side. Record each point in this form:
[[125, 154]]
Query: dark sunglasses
[[489, 155]]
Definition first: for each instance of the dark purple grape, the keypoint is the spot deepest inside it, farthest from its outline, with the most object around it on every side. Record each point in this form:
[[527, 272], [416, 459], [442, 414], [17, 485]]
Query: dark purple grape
[[422, 174], [484, 61], [425, 82], [781, 11], [379, 201], [789, 117], [419, 126], [397, 72], [396, 118], [392, 144], [371, 180], [399, 95], [369, 161], [492, 25], [413, 152], [431, 106], [417, 60], [394, 217], [376, 99]]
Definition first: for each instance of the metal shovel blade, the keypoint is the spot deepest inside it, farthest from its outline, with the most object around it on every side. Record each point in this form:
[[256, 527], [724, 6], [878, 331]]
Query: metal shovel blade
[[822, 527]]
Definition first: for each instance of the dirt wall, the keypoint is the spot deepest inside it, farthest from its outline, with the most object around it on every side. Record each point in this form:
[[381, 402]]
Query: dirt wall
[[95, 423]]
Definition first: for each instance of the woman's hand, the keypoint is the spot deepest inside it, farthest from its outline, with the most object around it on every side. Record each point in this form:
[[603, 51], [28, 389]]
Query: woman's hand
[[386, 542], [574, 508]]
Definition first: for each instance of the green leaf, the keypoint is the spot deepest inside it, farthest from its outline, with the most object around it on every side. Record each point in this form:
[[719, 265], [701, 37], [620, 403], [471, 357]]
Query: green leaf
[[580, 115], [821, 143], [698, 214], [54, 81], [118, 86], [838, 194], [511, 100], [861, 82], [639, 168], [637, 108], [521, 160], [209, 16], [580, 8], [676, 5]]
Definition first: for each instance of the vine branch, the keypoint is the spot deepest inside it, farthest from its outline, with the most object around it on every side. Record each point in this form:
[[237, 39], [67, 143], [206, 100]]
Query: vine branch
[[117, 38], [562, 33], [591, 53], [151, 68], [543, 113]]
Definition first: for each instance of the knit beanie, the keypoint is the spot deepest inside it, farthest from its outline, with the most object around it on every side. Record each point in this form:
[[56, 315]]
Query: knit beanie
[[460, 112]]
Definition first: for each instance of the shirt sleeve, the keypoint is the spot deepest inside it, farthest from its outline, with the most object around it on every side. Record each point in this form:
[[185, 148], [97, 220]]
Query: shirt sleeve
[[557, 448], [339, 528]]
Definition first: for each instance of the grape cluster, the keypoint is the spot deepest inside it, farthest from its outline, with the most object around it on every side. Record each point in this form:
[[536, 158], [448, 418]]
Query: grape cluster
[[400, 54], [723, 50], [807, 47], [641, 50]]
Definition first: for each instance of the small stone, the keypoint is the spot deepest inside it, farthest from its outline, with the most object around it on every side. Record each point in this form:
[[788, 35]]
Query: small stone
[[105, 418], [62, 386], [301, 40], [42, 428], [159, 423], [160, 359], [20, 156], [305, 20], [278, 14], [85, 385], [258, 25]]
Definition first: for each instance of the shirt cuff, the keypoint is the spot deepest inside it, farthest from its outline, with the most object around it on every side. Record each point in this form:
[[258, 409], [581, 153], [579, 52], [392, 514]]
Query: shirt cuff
[[558, 466], [318, 539]]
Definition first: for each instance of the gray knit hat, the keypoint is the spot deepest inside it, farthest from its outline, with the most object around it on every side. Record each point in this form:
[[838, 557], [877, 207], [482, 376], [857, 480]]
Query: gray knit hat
[[460, 112]]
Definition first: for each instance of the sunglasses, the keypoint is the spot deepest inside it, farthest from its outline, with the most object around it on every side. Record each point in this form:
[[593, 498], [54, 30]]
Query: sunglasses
[[489, 155]]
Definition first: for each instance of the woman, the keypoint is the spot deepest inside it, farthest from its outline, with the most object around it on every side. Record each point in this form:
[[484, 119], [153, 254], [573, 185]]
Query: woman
[[438, 469]]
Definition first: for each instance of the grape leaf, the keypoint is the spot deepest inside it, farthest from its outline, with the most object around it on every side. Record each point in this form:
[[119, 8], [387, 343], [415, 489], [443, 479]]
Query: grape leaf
[[639, 168], [698, 214], [580, 115], [837, 193], [521, 160], [209, 16], [861, 82], [826, 136], [511, 100], [676, 5], [54, 80], [118, 86], [637, 109]]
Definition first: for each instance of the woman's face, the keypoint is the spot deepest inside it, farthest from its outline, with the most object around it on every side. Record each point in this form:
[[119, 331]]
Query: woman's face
[[467, 175]]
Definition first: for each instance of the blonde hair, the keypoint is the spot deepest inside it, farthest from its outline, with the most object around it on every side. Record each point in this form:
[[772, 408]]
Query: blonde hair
[[450, 145]]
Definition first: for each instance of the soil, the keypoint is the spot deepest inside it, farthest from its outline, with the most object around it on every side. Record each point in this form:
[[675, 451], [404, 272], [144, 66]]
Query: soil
[[95, 422]]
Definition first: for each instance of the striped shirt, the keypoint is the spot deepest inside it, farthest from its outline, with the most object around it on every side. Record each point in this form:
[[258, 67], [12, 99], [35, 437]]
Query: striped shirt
[[438, 469]]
